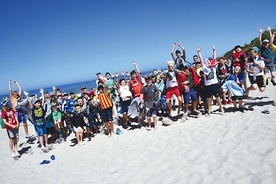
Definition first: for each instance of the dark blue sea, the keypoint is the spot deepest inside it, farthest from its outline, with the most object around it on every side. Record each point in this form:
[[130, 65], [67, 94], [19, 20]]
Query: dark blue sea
[[64, 88]]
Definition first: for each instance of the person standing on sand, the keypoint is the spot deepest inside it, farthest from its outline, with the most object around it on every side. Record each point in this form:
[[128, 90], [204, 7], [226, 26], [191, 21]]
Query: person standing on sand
[[106, 106], [210, 79], [172, 86], [255, 70], [38, 114], [11, 122], [149, 97], [17, 102]]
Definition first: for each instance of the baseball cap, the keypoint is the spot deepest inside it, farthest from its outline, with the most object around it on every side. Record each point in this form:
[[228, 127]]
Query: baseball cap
[[265, 41]]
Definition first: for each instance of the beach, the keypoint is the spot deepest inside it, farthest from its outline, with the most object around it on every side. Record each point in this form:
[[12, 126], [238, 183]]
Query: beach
[[231, 148]]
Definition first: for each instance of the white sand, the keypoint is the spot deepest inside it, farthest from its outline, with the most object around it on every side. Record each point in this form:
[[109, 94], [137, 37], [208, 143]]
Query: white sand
[[234, 148]]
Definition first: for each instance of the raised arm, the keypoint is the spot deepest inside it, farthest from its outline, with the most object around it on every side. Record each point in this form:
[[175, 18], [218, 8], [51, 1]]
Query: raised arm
[[42, 96], [269, 31], [28, 98], [198, 49], [172, 54], [272, 38], [10, 88], [260, 36], [214, 52], [183, 50], [19, 88], [136, 68]]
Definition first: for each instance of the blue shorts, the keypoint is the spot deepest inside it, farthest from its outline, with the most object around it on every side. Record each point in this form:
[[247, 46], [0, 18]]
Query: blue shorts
[[106, 115], [21, 117], [212, 90], [125, 105], [190, 94], [41, 130]]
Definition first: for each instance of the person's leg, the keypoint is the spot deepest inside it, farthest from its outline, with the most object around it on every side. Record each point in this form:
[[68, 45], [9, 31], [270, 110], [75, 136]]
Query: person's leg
[[168, 103], [111, 128], [220, 104], [81, 135], [149, 122], [229, 97], [155, 122], [11, 144], [209, 102], [78, 136], [25, 126], [179, 104]]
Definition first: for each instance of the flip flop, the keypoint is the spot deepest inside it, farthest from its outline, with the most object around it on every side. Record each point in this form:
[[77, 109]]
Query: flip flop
[[53, 157], [44, 162], [265, 112]]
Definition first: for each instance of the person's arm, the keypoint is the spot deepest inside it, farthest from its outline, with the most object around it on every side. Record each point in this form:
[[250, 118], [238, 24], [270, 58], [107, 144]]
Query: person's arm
[[272, 38], [260, 66], [260, 36], [214, 52], [42, 96], [137, 69], [5, 121], [28, 98], [19, 87], [269, 31], [198, 49], [183, 51], [172, 50], [10, 88]]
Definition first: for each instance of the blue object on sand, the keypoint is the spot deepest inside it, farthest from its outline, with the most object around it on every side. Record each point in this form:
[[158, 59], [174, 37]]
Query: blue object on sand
[[45, 162], [53, 157], [118, 131]]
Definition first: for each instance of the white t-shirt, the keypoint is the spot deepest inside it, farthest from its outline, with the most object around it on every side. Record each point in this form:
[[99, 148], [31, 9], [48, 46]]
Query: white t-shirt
[[210, 75], [124, 91], [255, 68], [171, 79]]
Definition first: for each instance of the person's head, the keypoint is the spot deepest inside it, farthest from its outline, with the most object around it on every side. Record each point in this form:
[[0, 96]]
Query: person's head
[[170, 65], [253, 52], [148, 79], [237, 69], [107, 75], [222, 60], [72, 94], [100, 89], [78, 108], [186, 70], [37, 103], [16, 95], [195, 58], [197, 64], [99, 75], [237, 48], [265, 43], [122, 82], [46, 96], [59, 96], [65, 96], [178, 53], [5, 105], [52, 95], [80, 101], [208, 61], [133, 74]]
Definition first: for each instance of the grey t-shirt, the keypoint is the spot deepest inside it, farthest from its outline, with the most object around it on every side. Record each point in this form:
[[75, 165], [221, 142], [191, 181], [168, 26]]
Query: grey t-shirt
[[150, 93]]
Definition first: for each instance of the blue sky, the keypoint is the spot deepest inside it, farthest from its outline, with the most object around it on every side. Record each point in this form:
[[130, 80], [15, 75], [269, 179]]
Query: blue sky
[[54, 42]]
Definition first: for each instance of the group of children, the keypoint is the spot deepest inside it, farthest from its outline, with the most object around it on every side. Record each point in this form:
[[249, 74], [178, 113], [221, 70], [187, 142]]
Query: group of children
[[134, 98]]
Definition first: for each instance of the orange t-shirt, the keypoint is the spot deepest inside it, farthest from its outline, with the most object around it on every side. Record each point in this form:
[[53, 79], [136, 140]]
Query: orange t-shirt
[[105, 101]]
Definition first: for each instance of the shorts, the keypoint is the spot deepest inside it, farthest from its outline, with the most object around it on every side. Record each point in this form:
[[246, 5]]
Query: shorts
[[41, 130], [50, 130], [12, 133], [77, 128], [212, 90], [202, 94], [106, 115], [190, 94], [150, 112], [259, 81], [56, 116], [234, 98], [269, 68], [125, 105], [172, 91], [21, 117]]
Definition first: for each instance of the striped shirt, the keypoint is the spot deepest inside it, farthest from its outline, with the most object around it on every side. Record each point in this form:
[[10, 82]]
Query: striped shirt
[[105, 101]]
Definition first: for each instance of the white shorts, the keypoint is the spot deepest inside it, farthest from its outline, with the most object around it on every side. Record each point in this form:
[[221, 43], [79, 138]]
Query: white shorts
[[77, 129]]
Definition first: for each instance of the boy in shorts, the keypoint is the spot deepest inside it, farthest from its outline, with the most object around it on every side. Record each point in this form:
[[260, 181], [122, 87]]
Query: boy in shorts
[[11, 122]]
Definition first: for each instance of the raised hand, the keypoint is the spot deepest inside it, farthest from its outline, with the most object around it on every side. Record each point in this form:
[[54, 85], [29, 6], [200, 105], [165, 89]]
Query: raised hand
[[213, 47], [134, 63], [41, 90], [268, 28], [261, 30], [198, 49], [174, 44], [127, 73], [25, 93], [15, 82], [113, 75], [54, 88], [10, 81], [179, 44], [116, 74], [123, 73]]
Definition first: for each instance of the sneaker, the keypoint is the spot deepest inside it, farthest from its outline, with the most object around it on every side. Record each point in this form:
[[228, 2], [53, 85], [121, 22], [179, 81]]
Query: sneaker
[[148, 128]]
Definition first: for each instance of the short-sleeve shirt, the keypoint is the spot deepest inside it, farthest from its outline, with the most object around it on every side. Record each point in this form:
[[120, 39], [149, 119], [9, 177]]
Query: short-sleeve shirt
[[9, 116], [254, 67], [150, 92], [210, 75]]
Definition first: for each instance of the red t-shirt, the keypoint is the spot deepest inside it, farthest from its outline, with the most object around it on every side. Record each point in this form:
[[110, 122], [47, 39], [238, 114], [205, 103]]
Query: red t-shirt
[[9, 116], [136, 86]]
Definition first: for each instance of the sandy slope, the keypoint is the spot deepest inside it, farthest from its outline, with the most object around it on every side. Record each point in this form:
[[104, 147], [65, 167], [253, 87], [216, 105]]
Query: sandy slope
[[234, 148]]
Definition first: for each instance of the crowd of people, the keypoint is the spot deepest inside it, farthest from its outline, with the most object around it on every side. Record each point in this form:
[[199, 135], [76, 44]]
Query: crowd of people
[[190, 91]]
